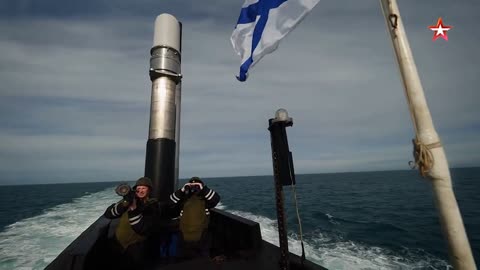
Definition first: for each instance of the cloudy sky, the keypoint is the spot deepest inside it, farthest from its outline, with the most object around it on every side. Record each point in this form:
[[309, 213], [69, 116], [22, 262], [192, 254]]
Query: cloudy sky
[[74, 92]]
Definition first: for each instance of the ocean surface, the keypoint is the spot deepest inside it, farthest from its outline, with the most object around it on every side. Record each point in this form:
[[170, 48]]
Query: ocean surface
[[367, 220]]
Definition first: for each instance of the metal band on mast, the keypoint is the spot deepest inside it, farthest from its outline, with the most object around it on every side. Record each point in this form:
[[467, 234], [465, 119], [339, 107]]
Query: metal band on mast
[[450, 218]]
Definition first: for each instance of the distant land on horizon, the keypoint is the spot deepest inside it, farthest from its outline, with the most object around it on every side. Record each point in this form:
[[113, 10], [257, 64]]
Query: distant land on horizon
[[216, 177]]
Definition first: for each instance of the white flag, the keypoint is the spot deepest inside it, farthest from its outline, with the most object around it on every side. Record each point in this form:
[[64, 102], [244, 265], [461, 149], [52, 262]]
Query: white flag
[[262, 24]]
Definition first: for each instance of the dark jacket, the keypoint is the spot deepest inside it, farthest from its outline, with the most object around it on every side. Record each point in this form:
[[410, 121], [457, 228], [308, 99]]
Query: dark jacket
[[178, 198], [142, 219]]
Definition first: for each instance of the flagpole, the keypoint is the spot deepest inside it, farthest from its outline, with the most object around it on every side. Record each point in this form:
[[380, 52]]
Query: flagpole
[[429, 153]]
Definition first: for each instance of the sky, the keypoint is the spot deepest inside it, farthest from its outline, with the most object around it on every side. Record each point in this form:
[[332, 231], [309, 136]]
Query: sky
[[75, 91]]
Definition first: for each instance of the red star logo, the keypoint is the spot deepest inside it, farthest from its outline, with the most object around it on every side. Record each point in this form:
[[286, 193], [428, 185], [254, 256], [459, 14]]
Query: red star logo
[[440, 30]]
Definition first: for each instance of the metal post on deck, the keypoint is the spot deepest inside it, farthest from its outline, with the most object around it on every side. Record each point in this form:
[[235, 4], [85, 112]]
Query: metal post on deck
[[283, 175]]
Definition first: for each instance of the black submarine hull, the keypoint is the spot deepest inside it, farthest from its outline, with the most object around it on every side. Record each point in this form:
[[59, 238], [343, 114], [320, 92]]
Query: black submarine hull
[[240, 240]]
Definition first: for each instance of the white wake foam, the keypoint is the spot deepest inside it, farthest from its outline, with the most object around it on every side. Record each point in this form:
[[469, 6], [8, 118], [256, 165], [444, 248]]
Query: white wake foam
[[34, 242], [347, 255]]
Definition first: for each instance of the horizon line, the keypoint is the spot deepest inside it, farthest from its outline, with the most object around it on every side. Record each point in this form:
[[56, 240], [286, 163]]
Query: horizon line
[[221, 177]]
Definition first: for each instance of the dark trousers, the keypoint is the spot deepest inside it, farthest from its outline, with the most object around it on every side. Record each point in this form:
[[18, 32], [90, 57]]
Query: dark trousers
[[134, 257], [195, 249], [169, 245]]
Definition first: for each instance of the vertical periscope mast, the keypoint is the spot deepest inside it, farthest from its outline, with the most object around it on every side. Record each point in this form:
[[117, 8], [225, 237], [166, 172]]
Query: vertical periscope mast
[[165, 74]]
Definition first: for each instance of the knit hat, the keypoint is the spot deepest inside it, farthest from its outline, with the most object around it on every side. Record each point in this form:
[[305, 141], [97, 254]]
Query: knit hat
[[143, 181], [195, 179]]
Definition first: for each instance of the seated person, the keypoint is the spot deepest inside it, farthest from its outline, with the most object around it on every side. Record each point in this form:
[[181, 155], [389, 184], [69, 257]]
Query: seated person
[[137, 213], [192, 203]]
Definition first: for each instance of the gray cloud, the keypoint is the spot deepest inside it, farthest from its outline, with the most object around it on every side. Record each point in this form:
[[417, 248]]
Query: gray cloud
[[75, 90]]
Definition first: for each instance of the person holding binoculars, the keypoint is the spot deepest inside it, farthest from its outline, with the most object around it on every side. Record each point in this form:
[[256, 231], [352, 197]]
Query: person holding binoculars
[[137, 213], [192, 204]]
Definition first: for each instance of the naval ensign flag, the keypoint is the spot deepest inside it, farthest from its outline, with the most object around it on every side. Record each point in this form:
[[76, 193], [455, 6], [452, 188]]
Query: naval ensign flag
[[262, 24]]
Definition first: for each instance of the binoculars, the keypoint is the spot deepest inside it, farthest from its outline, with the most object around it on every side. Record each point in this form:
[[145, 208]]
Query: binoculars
[[191, 189]]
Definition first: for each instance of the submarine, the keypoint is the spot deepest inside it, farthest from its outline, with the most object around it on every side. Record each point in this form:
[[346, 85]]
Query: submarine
[[237, 239]]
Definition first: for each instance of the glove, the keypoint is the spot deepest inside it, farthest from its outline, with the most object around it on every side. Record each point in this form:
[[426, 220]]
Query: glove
[[129, 197], [204, 191], [184, 187], [140, 205]]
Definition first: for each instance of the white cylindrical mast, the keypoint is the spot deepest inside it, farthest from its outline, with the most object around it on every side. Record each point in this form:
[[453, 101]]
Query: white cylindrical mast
[[439, 174], [165, 74]]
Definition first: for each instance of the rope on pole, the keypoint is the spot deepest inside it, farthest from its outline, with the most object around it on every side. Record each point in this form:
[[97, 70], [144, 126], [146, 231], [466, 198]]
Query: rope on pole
[[423, 156]]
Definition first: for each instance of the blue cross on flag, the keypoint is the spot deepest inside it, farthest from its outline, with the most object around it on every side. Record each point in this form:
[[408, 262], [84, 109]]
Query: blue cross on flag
[[262, 24]]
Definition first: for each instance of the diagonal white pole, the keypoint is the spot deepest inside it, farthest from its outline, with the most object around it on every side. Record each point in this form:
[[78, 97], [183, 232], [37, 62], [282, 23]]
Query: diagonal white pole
[[450, 218]]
